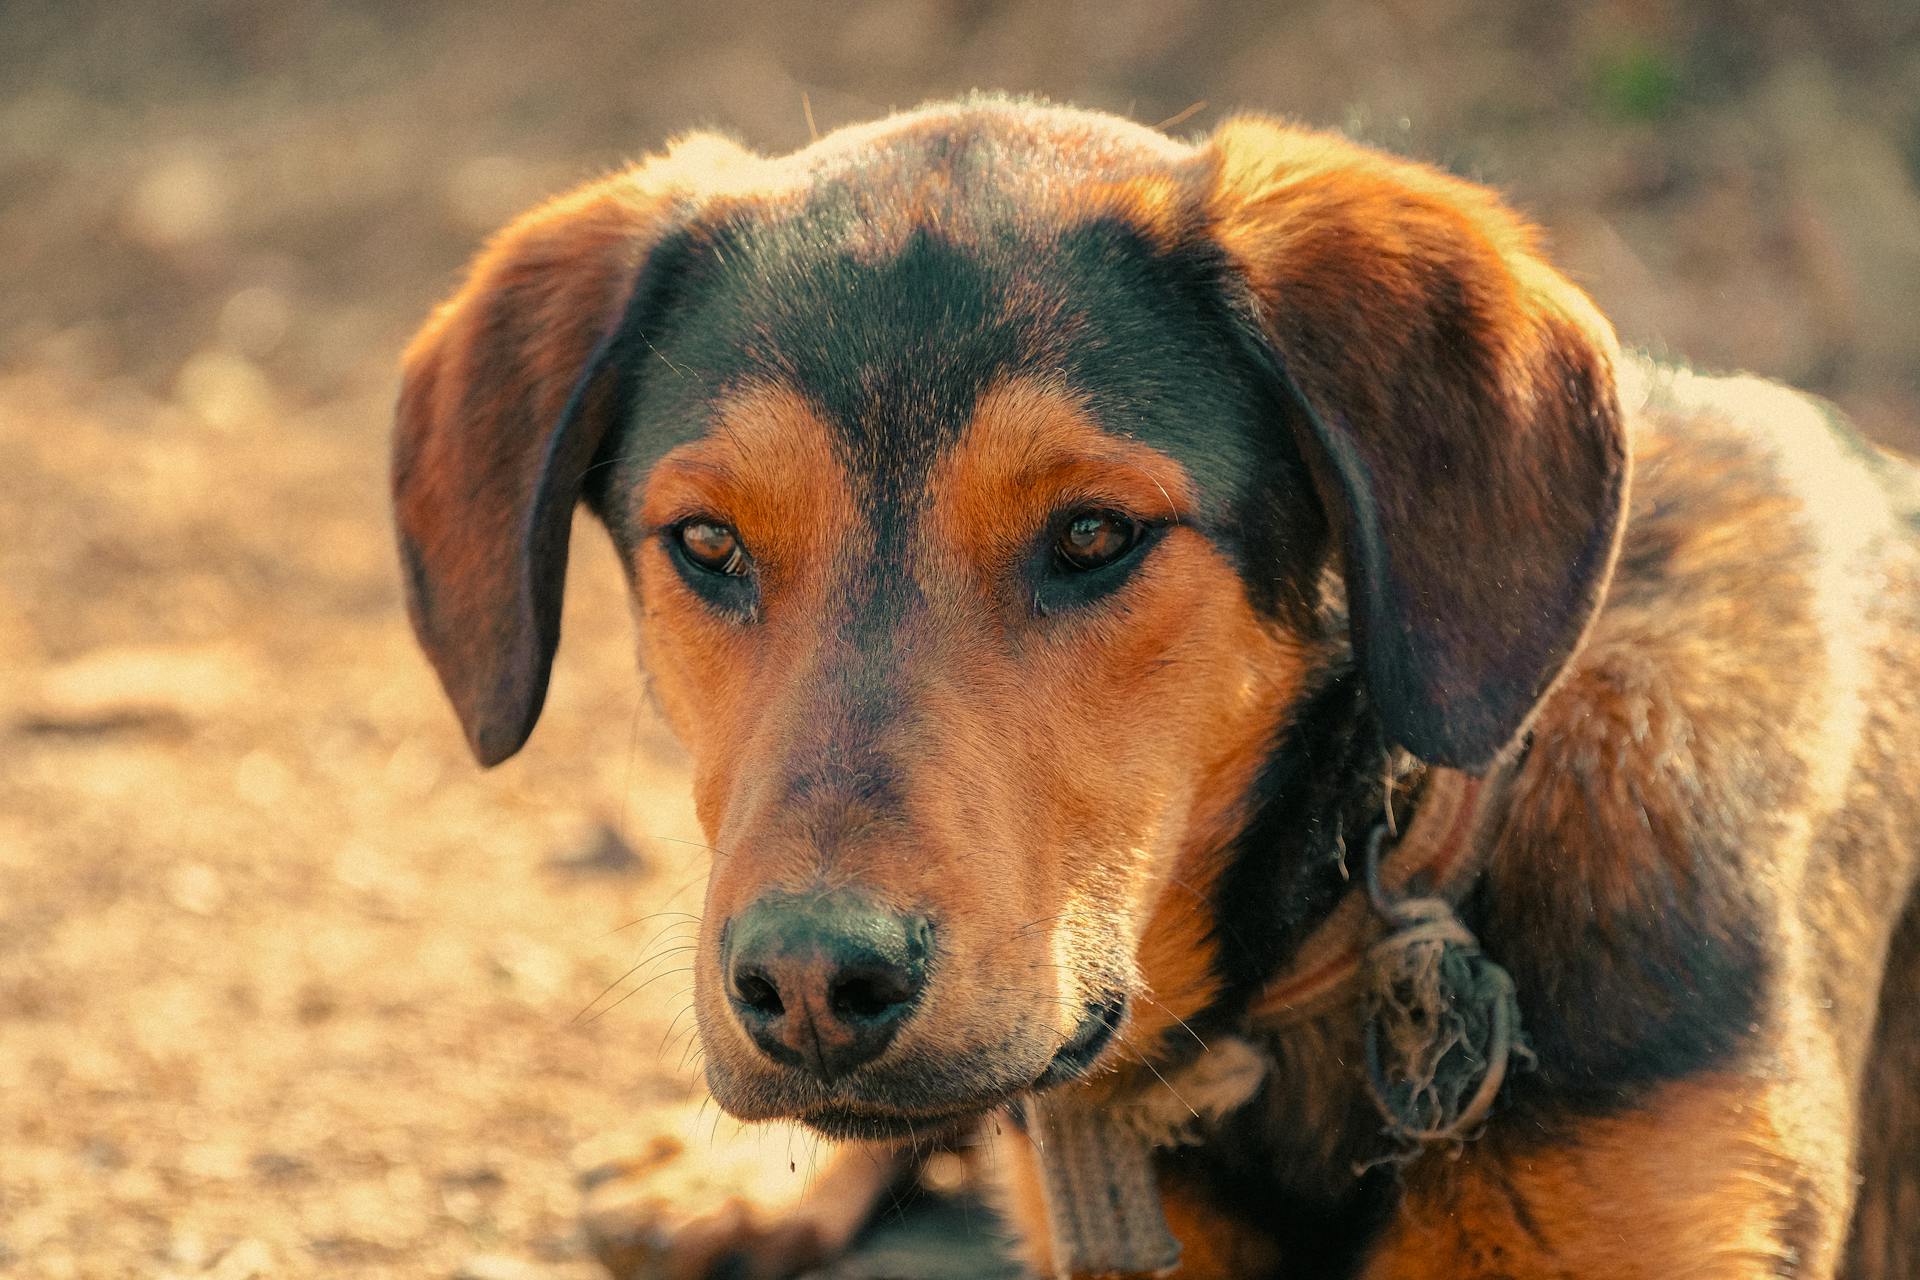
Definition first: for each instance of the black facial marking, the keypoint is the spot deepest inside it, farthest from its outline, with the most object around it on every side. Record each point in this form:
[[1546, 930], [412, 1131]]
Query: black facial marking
[[632, 359], [893, 333], [893, 352]]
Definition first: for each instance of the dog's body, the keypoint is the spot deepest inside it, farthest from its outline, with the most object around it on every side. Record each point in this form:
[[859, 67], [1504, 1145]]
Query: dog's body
[[1053, 542]]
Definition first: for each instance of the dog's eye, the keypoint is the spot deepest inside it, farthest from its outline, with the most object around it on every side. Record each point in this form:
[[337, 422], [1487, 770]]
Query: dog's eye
[[1095, 539], [713, 547]]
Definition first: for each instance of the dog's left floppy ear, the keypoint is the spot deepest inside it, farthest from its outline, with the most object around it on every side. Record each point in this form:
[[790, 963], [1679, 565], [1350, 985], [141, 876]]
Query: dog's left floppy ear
[[1459, 417], [508, 393]]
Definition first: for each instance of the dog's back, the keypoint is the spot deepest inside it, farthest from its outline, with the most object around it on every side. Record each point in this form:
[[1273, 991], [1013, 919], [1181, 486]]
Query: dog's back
[[1813, 537]]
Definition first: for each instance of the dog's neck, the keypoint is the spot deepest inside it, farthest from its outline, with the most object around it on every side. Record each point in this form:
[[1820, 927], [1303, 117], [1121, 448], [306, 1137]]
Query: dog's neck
[[1326, 784], [1287, 1063]]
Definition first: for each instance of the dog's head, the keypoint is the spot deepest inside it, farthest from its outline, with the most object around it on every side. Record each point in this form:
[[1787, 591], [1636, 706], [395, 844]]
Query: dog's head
[[998, 487]]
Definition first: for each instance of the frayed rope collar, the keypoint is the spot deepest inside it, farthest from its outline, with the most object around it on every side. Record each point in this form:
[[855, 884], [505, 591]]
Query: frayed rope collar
[[1441, 1030]]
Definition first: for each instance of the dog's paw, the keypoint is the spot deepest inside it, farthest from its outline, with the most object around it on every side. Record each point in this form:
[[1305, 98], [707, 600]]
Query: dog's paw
[[763, 1204], [650, 1239]]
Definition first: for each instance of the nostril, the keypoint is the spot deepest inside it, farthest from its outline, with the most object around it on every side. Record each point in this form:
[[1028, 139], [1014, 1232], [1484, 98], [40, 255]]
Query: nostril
[[863, 995], [757, 992], [823, 982]]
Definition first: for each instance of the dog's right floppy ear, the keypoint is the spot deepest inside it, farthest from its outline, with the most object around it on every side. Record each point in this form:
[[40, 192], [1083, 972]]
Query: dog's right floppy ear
[[1460, 422], [507, 394]]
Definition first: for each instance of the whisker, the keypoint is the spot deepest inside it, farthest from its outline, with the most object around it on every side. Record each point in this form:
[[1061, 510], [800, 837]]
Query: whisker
[[637, 990], [1204, 1046], [638, 965], [1148, 1064], [652, 915], [691, 1051], [667, 1035], [648, 957], [695, 844]]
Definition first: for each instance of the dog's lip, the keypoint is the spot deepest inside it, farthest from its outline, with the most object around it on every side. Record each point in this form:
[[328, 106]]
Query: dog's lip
[[1090, 1039], [871, 1119], [869, 1123]]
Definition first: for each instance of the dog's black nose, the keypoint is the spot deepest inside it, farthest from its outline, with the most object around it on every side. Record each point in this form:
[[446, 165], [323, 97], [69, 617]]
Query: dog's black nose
[[823, 981]]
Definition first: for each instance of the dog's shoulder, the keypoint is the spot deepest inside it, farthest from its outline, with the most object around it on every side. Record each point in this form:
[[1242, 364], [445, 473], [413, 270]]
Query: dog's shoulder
[[1766, 561], [1816, 454], [1766, 571], [1673, 810]]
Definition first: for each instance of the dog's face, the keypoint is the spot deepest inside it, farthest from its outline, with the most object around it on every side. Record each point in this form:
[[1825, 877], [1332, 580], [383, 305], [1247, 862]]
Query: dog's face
[[949, 626], [994, 486]]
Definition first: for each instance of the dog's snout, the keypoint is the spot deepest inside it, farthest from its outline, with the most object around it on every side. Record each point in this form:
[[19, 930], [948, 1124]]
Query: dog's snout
[[822, 982]]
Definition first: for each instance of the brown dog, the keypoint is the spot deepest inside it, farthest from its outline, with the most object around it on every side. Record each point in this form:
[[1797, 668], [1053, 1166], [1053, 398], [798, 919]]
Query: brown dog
[[1080, 564]]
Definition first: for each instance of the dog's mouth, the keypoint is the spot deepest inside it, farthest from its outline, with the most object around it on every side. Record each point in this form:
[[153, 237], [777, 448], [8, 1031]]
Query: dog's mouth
[[855, 1122], [871, 1121], [1089, 1040]]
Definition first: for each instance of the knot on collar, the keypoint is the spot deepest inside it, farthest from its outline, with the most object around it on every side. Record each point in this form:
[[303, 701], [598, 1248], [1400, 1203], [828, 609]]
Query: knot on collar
[[1442, 1019]]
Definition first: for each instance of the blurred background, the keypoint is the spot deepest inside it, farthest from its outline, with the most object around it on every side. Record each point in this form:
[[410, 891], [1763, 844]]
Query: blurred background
[[288, 987]]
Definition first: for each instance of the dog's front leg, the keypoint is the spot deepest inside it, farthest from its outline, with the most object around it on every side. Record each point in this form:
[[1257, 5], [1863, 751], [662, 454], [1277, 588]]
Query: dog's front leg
[[1718, 1178], [761, 1205]]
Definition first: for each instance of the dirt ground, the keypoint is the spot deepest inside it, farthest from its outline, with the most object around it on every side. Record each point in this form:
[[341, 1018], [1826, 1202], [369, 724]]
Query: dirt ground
[[287, 986]]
